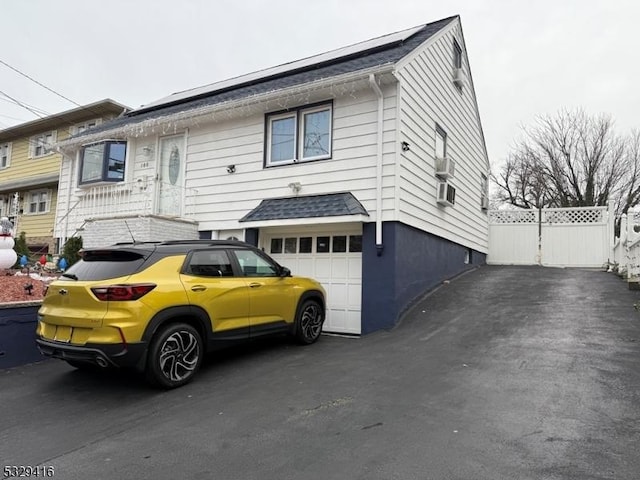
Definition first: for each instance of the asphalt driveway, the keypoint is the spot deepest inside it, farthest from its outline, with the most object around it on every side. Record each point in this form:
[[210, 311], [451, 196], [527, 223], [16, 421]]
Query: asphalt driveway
[[505, 373]]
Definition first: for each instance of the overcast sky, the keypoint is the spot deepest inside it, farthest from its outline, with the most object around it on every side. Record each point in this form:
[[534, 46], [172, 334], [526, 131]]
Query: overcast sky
[[527, 58]]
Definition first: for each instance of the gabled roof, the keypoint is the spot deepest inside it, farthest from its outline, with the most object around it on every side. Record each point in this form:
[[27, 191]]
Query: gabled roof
[[309, 206], [386, 50], [75, 115]]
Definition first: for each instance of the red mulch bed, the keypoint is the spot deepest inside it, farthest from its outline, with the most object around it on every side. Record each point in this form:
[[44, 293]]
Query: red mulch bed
[[12, 286]]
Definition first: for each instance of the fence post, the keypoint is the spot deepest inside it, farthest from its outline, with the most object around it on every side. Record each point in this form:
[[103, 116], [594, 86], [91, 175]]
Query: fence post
[[611, 228]]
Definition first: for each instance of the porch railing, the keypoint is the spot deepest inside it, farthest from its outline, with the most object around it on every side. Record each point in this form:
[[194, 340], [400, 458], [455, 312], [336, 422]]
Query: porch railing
[[135, 198]]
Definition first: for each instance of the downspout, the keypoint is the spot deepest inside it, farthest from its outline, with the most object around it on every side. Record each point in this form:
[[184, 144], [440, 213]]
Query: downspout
[[70, 178], [378, 92]]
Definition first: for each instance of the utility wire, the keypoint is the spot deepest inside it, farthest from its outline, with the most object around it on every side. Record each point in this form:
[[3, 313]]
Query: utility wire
[[17, 102], [44, 112], [38, 83]]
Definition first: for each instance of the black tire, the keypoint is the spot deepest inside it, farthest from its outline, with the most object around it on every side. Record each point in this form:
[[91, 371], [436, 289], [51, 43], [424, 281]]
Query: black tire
[[174, 356], [309, 322]]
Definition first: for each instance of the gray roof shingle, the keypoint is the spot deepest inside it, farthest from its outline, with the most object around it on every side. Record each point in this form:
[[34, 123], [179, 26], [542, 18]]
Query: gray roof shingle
[[309, 206], [386, 54]]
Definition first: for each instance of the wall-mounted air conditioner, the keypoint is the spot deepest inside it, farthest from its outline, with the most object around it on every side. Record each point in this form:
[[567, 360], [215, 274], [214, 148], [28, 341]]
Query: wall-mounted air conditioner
[[458, 77], [446, 194], [445, 167]]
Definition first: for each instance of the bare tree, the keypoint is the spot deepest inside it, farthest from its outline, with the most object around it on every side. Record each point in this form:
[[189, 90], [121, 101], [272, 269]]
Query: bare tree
[[572, 160]]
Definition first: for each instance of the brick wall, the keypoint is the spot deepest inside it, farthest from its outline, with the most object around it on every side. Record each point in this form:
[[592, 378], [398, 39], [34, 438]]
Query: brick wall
[[100, 233]]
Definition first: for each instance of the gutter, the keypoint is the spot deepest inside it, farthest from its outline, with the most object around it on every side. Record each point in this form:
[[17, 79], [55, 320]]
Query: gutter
[[378, 92]]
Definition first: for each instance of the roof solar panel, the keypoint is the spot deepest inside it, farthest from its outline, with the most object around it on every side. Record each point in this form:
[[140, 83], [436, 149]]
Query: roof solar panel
[[286, 67]]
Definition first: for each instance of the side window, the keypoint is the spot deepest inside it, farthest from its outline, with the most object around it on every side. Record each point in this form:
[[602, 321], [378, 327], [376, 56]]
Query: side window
[[209, 263], [253, 265], [441, 142]]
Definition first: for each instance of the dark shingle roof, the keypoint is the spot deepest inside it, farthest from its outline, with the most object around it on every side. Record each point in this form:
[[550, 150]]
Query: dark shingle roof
[[386, 54], [311, 206]]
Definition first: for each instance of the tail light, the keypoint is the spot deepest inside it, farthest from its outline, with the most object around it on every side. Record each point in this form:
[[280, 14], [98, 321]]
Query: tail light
[[122, 293]]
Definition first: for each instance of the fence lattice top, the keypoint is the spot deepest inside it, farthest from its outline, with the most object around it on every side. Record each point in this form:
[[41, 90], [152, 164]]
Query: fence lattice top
[[579, 215], [513, 216], [573, 216]]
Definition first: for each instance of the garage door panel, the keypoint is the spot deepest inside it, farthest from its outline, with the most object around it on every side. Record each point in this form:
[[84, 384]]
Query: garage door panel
[[354, 296], [354, 269], [340, 272]]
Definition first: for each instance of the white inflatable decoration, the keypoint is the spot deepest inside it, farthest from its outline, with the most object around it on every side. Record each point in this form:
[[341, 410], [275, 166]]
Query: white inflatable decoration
[[8, 255]]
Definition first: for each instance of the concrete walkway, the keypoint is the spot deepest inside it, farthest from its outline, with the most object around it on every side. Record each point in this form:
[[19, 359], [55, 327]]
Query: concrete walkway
[[505, 373]]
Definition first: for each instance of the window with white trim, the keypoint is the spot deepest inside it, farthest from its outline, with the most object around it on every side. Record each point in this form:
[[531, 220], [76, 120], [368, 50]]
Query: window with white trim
[[81, 127], [441, 142], [102, 162], [299, 135], [457, 54], [38, 202], [5, 155], [41, 145], [5, 205]]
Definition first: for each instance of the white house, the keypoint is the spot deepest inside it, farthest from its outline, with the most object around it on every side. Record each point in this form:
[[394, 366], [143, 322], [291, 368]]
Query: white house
[[364, 167]]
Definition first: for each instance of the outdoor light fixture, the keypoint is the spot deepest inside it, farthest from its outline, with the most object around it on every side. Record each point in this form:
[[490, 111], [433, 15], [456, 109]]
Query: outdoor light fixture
[[405, 146], [231, 169], [295, 186]]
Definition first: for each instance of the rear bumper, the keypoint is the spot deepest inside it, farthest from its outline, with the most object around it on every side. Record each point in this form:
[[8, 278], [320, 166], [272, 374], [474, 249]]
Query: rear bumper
[[103, 355]]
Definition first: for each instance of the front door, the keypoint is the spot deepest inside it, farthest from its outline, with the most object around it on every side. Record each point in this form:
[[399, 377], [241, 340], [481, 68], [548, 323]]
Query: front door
[[171, 176]]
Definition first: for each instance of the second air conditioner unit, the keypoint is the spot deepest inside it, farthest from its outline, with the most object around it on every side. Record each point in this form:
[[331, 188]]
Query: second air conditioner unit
[[446, 194]]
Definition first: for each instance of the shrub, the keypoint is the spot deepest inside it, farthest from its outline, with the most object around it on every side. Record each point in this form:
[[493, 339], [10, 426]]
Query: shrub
[[70, 250]]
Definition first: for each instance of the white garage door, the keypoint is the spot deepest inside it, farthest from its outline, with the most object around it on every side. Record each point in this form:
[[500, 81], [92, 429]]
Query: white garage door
[[335, 260]]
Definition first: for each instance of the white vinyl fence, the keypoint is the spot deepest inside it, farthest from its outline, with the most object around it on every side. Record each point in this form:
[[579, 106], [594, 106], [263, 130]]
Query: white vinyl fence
[[566, 237]]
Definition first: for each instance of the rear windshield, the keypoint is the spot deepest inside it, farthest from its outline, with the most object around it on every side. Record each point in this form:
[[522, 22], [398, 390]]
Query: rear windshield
[[104, 264]]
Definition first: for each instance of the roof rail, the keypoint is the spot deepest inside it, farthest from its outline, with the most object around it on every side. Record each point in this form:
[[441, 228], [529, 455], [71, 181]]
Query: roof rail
[[202, 242]]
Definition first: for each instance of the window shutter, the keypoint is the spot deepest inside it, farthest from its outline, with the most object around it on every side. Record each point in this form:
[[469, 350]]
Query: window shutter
[[32, 147]]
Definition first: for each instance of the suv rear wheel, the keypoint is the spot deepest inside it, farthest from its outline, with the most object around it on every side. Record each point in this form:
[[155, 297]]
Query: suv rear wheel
[[309, 322], [175, 355]]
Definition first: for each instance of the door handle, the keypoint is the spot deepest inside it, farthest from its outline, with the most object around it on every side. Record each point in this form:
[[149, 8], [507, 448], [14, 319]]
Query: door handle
[[255, 285], [198, 288]]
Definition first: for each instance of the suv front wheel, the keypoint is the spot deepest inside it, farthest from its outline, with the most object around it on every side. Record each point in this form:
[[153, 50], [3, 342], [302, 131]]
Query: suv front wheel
[[175, 355], [309, 322]]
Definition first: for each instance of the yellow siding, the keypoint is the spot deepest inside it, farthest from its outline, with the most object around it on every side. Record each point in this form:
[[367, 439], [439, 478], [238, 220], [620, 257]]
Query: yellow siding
[[24, 167], [38, 225]]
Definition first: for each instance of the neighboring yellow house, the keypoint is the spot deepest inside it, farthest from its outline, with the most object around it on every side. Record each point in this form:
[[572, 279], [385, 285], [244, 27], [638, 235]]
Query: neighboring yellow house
[[30, 169]]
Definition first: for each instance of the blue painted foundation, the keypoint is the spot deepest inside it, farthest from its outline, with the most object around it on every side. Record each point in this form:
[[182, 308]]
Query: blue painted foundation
[[412, 263], [18, 334]]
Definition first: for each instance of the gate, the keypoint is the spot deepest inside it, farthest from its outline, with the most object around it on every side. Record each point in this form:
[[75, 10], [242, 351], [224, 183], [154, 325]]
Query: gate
[[560, 237]]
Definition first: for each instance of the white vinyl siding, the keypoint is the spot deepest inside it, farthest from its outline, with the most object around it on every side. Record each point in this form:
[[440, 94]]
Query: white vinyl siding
[[430, 98], [224, 198]]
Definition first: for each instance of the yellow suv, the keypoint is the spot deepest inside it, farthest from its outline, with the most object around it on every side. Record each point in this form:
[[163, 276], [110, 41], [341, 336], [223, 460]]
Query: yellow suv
[[160, 306]]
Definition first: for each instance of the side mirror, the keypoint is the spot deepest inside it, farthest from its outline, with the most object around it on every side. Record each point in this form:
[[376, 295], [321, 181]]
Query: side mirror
[[285, 272]]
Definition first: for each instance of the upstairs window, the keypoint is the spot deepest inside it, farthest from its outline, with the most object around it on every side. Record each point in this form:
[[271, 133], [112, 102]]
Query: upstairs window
[[81, 127], [441, 142], [38, 202], [41, 145], [103, 162], [457, 55], [5, 155], [300, 135]]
